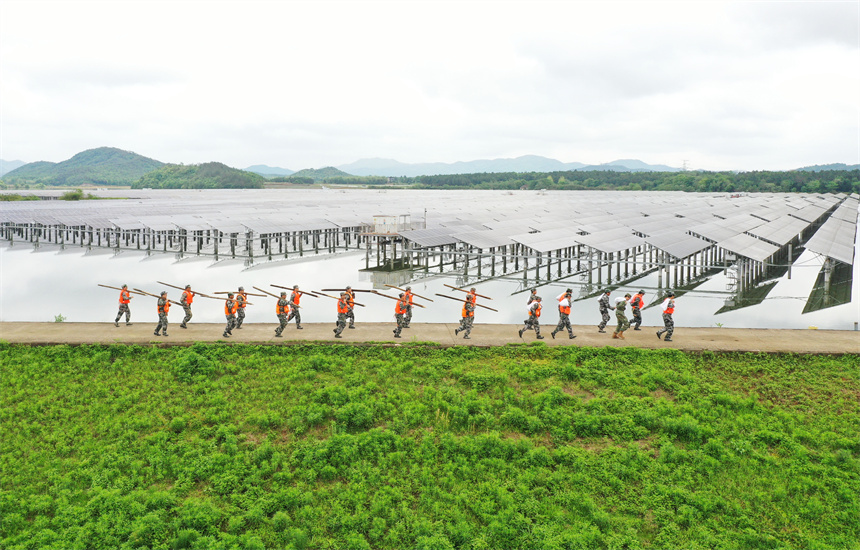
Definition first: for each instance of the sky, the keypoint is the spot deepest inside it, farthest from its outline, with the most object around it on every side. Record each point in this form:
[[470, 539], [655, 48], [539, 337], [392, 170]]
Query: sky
[[713, 85]]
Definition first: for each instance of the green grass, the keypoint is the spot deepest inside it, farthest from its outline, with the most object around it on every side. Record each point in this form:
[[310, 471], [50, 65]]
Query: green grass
[[233, 446]]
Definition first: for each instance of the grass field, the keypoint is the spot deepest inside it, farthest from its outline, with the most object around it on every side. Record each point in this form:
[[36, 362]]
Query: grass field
[[233, 446]]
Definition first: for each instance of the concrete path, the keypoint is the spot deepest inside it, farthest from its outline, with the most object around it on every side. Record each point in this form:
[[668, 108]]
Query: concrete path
[[691, 339]]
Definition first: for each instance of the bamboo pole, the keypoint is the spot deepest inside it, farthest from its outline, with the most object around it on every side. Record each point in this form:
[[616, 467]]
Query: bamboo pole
[[392, 297], [459, 300], [466, 291], [404, 290]]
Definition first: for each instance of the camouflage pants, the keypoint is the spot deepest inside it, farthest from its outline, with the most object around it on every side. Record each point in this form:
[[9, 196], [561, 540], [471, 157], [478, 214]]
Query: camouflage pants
[[400, 323], [563, 323], [637, 317], [240, 317], [466, 325], [605, 314], [408, 318], [162, 323], [283, 319], [532, 323], [123, 308], [350, 316], [294, 312], [623, 323], [668, 325], [341, 323], [231, 324], [187, 314]]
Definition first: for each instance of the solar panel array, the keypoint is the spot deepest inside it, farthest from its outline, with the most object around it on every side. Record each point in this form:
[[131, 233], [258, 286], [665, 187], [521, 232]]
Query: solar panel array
[[677, 223]]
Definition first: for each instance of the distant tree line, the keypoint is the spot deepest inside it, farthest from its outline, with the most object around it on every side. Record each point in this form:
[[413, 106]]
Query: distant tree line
[[830, 181]]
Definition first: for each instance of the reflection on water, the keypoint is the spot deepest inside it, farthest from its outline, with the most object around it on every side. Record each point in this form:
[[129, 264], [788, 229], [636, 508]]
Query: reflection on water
[[37, 285]]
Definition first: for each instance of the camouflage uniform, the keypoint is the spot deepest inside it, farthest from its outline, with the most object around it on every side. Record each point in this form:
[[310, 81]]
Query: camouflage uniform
[[350, 316], [407, 318], [621, 317], [241, 298], [399, 314], [563, 318], [294, 309], [603, 304], [467, 320], [162, 315], [123, 308], [343, 311], [231, 317], [668, 306], [281, 311], [533, 322], [186, 306], [636, 304]]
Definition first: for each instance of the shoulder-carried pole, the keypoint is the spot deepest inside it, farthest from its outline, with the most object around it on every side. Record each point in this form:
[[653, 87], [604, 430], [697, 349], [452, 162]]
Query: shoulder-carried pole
[[404, 290], [459, 300], [467, 292]]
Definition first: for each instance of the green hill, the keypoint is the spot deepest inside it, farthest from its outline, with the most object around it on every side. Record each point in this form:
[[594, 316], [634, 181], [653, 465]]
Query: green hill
[[210, 175], [319, 174], [102, 166]]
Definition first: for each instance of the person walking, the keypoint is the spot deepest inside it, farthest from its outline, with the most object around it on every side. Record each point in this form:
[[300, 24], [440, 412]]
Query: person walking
[[399, 313], [636, 304], [282, 309], [564, 300], [230, 307], [350, 316], [295, 297], [467, 317], [343, 310], [409, 301], [621, 317], [187, 298], [668, 307], [533, 322], [163, 307], [241, 302], [603, 304], [124, 299]]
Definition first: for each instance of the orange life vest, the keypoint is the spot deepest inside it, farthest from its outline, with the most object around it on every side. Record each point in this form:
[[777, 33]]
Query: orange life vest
[[670, 309], [343, 306], [296, 297], [408, 296], [400, 307], [536, 310], [637, 301], [564, 309], [124, 297], [467, 313], [164, 308], [350, 298], [188, 296], [282, 309], [230, 307], [241, 298]]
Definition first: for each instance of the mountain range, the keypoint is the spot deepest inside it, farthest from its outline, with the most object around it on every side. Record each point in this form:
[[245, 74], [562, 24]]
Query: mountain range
[[111, 166]]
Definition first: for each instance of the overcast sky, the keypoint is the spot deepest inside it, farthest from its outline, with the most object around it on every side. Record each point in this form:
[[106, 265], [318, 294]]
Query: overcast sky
[[720, 85]]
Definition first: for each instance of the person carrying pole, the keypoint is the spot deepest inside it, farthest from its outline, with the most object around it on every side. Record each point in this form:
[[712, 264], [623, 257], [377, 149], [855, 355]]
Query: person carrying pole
[[621, 316], [282, 309], [564, 314], [241, 302], [637, 303], [230, 307], [668, 307], [295, 297], [350, 316], [163, 307], [399, 313], [343, 310], [409, 301], [603, 305], [187, 298], [124, 299], [467, 317], [533, 322]]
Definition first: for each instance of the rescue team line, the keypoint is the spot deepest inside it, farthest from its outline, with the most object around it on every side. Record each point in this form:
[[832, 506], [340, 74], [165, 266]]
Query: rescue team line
[[288, 309]]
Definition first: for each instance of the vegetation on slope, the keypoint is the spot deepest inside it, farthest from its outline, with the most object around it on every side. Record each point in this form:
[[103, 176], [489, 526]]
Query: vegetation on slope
[[102, 166], [218, 446], [210, 175]]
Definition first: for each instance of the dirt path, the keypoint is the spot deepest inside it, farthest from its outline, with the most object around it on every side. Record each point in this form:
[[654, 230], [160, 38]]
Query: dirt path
[[692, 339]]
